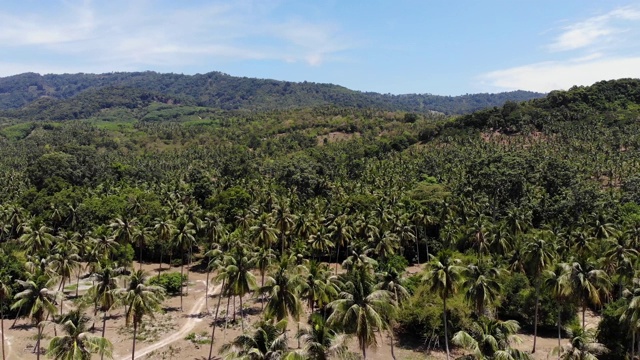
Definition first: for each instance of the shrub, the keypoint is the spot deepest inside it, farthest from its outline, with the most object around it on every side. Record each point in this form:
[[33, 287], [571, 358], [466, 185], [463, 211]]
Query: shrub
[[171, 282]]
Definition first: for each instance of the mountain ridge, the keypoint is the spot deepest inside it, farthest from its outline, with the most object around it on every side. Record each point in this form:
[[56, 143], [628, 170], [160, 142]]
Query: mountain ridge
[[219, 90]]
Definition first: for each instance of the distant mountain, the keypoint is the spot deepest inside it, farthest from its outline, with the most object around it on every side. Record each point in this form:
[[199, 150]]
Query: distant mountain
[[227, 92]]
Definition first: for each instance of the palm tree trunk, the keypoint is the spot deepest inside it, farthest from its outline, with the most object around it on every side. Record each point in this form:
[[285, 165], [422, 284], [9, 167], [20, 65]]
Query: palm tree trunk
[[77, 282], [215, 320], [393, 355], [140, 256], [104, 328], [364, 351], [189, 263], [633, 342], [38, 342], [584, 310], [446, 332], [160, 264], [559, 334], [17, 317], [206, 293], [2, 330], [135, 331], [62, 296], [262, 295], [241, 314], [337, 257], [181, 277], [535, 319]]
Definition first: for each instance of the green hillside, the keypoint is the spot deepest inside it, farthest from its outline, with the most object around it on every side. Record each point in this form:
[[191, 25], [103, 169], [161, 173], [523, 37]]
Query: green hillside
[[227, 92]]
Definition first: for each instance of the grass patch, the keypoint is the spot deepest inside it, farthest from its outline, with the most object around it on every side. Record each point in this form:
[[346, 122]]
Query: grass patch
[[17, 131]]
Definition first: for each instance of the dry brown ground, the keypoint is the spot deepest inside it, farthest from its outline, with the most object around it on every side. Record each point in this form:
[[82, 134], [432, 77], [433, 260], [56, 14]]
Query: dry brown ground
[[164, 337]]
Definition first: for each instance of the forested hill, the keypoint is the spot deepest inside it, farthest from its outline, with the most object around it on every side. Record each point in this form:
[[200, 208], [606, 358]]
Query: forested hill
[[227, 92]]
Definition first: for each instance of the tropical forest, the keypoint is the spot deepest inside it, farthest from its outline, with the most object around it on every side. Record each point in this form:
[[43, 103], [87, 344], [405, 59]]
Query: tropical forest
[[164, 216]]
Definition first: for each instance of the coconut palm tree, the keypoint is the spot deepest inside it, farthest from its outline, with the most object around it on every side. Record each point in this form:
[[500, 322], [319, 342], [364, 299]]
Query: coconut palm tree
[[40, 301], [105, 291], [140, 300], [183, 240], [588, 284], [361, 309], [582, 346], [482, 284], [391, 281], [240, 280], [267, 342], [444, 274], [77, 344], [537, 255], [163, 229], [318, 286], [63, 262], [491, 339], [282, 289], [556, 281], [631, 314], [36, 239], [320, 341], [264, 258]]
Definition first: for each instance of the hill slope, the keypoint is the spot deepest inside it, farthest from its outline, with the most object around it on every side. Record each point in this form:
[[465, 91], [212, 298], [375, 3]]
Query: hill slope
[[223, 91]]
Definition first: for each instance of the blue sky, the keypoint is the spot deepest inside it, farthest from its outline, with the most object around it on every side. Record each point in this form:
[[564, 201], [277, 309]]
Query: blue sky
[[445, 47]]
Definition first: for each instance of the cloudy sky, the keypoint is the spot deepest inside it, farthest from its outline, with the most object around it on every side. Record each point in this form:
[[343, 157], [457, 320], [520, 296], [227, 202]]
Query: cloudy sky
[[445, 47]]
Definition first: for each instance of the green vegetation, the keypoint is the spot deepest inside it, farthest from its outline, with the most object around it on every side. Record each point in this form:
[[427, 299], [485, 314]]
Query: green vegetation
[[320, 210]]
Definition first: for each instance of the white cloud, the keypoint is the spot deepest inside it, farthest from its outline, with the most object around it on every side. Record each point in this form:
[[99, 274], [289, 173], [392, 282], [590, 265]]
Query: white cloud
[[122, 34], [597, 29], [556, 75], [599, 48]]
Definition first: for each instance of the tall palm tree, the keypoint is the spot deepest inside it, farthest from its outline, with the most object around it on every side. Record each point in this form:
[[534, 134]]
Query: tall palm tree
[[267, 342], [5, 293], [491, 339], [40, 301], [264, 258], [164, 229], [282, 290], [341, 233], [556, 281], [631, 314], [390, 281], [320, 341], [588, 284], [537, 255], [320, 243], [63, 262], [183, 240], [140, 300], [362, 310], [77, 344], [482, 284], [141, 236], [240, 279], [36, 239], [582, 346], [263, 233], [105, 291], [444, 274], [317, 286]]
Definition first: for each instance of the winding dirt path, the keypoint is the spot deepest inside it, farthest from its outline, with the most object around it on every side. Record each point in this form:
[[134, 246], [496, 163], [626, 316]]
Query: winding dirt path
[[192, 320]]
